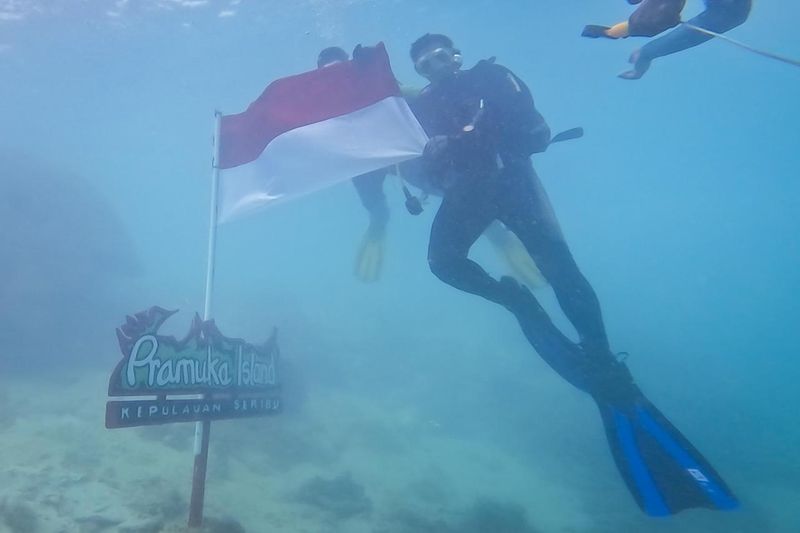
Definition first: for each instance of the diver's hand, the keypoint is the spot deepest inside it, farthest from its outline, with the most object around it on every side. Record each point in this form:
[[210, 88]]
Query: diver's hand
[[362, 54], [369, 259], [437, 155], [437, 148], [640, 66]]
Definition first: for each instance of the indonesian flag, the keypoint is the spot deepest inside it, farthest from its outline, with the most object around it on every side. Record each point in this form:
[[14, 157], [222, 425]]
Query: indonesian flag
[[313, 130]]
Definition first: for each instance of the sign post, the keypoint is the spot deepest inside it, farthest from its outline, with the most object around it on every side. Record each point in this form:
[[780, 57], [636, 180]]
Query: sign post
[[202, 430], [203, 377]]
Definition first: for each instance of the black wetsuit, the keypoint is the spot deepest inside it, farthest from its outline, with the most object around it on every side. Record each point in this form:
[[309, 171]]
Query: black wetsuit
[[486, 175], [719, 17], [654, 16]]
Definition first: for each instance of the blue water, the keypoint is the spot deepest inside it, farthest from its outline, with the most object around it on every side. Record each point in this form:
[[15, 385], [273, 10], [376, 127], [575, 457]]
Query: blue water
[[680, 205]]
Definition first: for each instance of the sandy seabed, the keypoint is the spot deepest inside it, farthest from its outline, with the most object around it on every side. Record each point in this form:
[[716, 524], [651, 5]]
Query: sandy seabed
[[339, 463]]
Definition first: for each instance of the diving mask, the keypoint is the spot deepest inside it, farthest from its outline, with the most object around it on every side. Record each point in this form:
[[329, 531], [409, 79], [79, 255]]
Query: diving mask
[[438, 60]]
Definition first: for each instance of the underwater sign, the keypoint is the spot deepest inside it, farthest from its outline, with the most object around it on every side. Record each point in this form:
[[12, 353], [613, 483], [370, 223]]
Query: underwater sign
[[205, 376]]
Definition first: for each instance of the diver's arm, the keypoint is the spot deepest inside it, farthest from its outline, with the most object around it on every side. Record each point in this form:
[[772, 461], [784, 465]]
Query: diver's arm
[[537, 137], [511, 112], [718, 18], [507, 122]]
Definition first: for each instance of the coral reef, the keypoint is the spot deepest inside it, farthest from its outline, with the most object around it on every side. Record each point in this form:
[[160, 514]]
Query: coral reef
[[18, 517], [498, 517], [483, 516], [221, 525], [341, 497], [65, 264]]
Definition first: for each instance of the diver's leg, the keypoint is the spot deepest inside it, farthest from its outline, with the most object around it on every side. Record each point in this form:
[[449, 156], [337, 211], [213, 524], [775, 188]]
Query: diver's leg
[[561, 354], [461, 219], [458, 223], [650, 18], [526, 210], [601, 375], [655, 16], [720, 16]]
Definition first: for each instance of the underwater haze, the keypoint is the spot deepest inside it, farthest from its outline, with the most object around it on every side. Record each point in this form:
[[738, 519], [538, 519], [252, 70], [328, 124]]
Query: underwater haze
[[409, 406]]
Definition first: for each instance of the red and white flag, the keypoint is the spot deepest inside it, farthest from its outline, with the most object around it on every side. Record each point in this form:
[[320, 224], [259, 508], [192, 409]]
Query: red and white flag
[[313, 130]]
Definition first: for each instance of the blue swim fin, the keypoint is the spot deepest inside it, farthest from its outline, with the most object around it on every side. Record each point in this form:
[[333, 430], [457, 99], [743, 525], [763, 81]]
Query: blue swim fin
[[662, 469]]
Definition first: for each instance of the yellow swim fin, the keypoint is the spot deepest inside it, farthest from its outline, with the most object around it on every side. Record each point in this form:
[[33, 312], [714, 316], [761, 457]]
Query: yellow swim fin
[[369, 259], [519, 261]]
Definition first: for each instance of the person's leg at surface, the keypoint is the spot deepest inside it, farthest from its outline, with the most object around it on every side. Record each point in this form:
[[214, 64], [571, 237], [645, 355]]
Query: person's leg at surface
[[720, 16], [653, 17], [650, 18], [526, 210]]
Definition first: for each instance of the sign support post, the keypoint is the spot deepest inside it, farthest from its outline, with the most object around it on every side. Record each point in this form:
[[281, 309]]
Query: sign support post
[[202, 430]]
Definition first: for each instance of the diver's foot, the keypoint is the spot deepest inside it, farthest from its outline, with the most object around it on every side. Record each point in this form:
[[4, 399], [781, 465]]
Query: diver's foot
[[612, 382], [640, 66], [607, 375]]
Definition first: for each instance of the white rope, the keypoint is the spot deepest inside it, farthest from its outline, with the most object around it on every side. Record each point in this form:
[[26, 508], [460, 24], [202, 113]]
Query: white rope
[[747, 47]]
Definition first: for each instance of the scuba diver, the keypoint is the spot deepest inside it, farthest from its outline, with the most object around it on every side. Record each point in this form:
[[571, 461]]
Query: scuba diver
[[653, 17], [369, 186], [483, 128]]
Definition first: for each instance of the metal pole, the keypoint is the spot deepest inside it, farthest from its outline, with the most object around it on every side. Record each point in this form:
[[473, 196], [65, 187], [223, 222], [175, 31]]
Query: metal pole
[[202, 430], [212, 230]]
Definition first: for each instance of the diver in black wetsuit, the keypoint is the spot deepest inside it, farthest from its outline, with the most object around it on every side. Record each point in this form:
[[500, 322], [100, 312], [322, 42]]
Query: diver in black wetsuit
[[483, 127], [369, 259], [655, 16]]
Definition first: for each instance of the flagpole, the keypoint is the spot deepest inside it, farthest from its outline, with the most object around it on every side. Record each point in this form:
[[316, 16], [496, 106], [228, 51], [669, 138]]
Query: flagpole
[[202, 430]]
